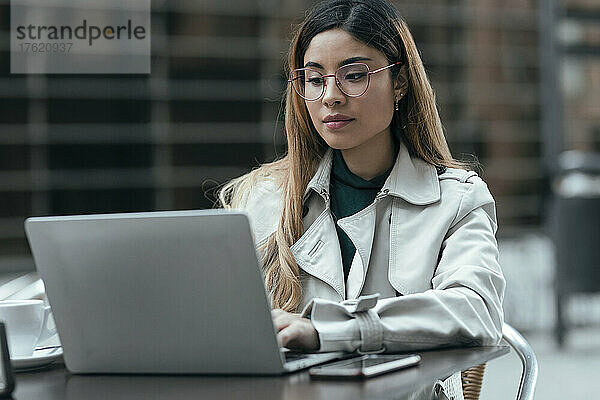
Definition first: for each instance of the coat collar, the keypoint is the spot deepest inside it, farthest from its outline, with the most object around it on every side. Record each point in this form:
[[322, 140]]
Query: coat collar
[[411, 178]]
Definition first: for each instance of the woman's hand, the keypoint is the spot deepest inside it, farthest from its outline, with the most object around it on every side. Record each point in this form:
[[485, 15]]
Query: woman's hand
[[295, 332]]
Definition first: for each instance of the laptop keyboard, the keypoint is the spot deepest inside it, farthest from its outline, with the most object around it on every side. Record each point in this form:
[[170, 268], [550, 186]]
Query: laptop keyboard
[[291, 356]]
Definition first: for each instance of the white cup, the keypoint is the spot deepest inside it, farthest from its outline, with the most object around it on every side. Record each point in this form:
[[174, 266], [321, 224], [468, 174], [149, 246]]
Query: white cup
[[26, 324]]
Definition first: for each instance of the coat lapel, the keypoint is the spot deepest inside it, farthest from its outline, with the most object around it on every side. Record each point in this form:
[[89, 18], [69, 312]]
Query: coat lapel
[[318, 253], [413, 183], [360, 228]]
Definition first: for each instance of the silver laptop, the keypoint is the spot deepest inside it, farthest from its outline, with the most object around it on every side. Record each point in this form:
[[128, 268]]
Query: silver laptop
[[159, 292]]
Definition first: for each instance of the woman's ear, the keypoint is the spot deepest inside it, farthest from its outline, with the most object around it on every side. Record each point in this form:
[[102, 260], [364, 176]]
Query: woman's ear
[[401, 82]]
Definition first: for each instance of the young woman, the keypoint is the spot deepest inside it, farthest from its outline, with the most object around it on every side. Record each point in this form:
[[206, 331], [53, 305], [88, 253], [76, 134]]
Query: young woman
[[372, 237]]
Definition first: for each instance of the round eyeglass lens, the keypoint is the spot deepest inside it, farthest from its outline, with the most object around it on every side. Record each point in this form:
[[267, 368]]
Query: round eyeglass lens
[[308, 83], [353, 79]]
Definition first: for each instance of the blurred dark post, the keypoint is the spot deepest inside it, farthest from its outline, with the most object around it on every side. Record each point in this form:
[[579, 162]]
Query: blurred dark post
[[573, 176], [576, 230]]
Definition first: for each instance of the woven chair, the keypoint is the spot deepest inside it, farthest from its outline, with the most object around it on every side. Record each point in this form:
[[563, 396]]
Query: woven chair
[[472, 378]]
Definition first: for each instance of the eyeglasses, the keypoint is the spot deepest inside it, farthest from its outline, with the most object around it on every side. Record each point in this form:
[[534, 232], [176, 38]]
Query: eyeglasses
[[352, 79]]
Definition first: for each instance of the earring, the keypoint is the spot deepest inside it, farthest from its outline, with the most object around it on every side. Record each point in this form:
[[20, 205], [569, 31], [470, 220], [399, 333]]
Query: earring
[[396, 101]]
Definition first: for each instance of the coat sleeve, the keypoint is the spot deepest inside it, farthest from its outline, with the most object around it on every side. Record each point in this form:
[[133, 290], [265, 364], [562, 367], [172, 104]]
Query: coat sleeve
[[464, 306]]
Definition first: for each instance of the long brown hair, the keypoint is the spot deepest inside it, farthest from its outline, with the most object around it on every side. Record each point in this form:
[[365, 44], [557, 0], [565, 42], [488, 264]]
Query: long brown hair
[[417, 123]]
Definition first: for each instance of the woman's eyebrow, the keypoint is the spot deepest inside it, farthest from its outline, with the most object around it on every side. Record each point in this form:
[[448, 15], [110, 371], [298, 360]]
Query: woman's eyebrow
[[346, 61]]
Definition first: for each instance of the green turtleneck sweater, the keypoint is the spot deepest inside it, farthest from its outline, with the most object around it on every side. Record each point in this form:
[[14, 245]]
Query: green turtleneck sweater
[[349, 194]]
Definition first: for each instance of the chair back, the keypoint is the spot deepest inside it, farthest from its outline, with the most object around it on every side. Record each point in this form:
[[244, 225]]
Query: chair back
[[472, 378], [528, 360]]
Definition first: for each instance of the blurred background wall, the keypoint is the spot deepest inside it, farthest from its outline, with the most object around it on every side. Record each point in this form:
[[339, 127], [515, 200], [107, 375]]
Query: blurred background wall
[[509, 75]]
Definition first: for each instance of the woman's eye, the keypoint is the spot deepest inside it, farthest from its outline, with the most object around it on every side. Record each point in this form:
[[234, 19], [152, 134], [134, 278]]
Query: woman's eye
[[355, 76], [315, 81]]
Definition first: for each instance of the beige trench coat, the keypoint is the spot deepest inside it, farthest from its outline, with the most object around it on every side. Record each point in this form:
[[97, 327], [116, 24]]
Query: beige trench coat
[[425, 273]]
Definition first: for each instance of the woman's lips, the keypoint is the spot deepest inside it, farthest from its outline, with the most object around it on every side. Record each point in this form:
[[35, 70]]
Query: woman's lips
[[337, 124]]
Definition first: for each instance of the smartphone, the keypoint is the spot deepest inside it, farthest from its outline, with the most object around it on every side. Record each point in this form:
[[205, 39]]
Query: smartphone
[[7, 378], [365, 366]]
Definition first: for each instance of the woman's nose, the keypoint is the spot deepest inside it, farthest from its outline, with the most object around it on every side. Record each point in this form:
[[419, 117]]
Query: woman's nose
[[332, 94]]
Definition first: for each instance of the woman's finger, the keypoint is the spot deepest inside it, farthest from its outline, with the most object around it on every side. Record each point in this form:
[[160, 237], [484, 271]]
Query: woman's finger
[[288, 335], [282, 320], [277, 311]]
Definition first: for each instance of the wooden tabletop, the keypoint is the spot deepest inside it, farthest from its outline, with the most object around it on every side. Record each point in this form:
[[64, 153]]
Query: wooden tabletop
[[56, 382]]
